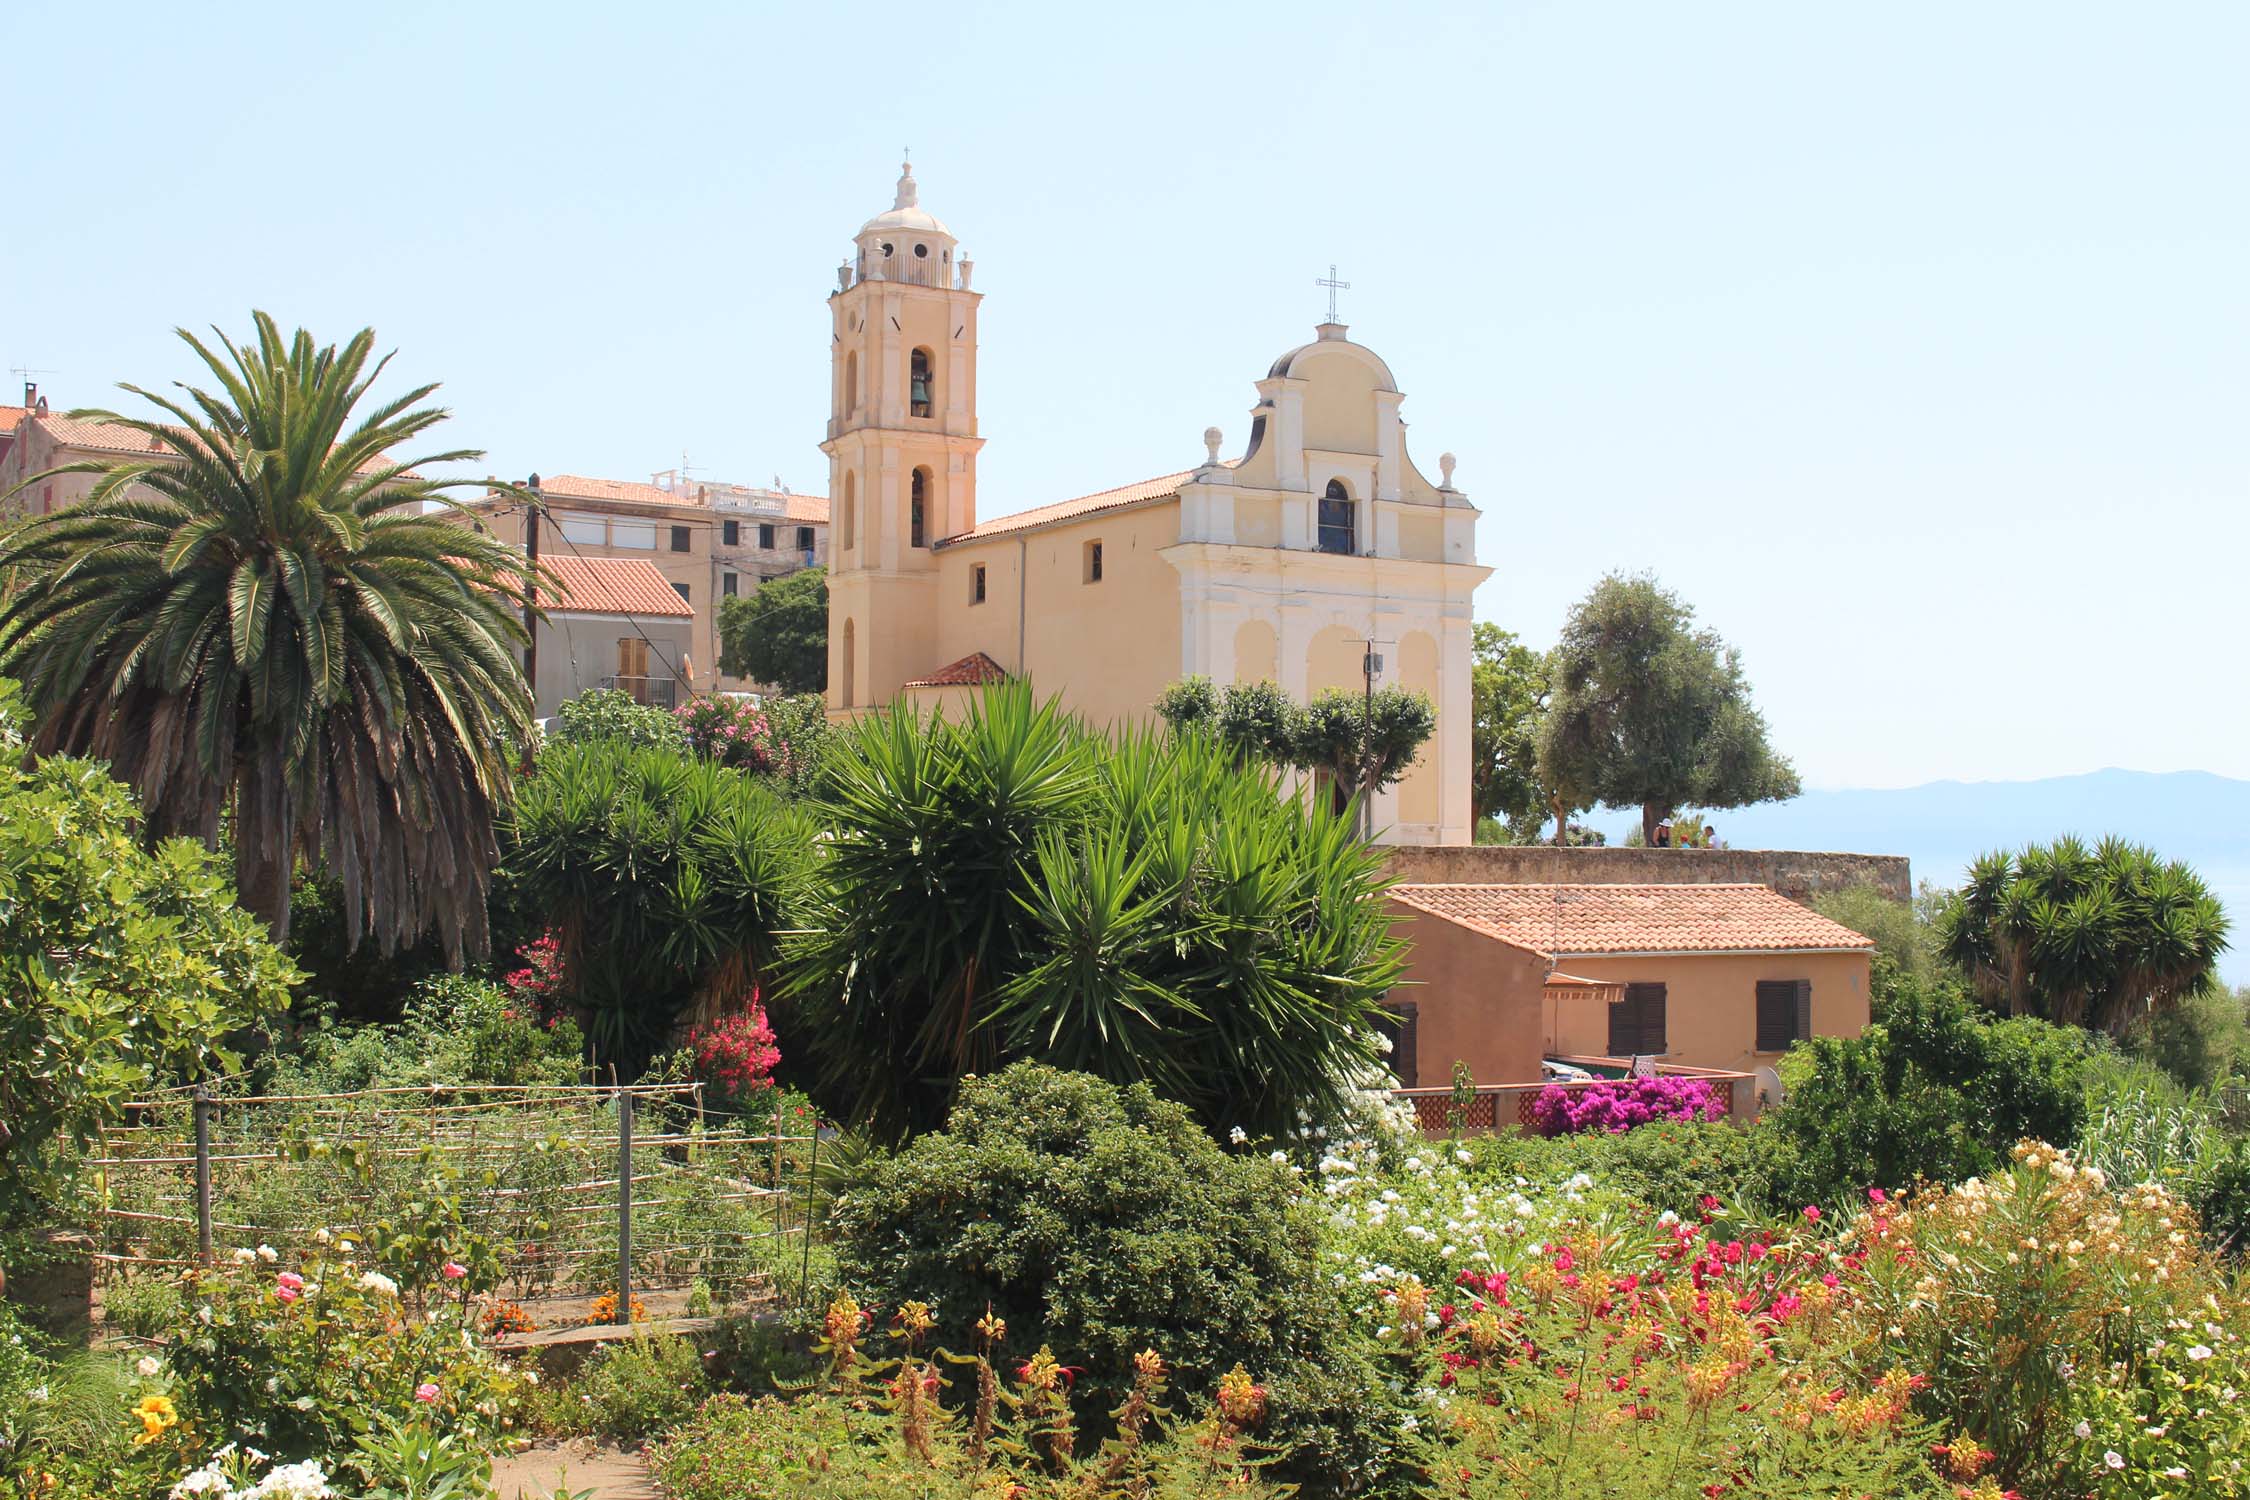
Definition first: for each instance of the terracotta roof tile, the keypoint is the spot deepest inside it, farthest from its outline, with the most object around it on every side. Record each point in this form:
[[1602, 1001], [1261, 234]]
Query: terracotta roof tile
[[611, 586], [972, 670], [1562, 920], [1163, 487], [579, 487], [11, 417], [116, 437]]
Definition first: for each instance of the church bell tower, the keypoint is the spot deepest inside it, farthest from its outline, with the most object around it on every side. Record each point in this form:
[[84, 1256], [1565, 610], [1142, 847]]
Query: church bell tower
[[902, 445]]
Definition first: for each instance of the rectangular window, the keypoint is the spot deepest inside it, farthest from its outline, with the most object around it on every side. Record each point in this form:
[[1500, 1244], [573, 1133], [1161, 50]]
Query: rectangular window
[[729, 584], [640, 534], [682, 590], [765, 537], [1093, 562], [584, 529], [632, 657], [1405, 1024], [1636, 1023], [680, 541], [730, 533], [976, 583], [804, 539], [1784, 1013]]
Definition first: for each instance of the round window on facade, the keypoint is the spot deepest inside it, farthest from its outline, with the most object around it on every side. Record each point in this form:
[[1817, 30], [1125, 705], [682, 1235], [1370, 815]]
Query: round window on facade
[[886, 252], [921, 252]]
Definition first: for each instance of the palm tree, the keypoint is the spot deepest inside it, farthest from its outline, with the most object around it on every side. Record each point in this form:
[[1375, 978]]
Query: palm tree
[[262, 617]]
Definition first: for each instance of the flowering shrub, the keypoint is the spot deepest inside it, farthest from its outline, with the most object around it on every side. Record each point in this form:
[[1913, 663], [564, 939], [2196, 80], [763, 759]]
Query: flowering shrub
[[302, 1363], [2079, 1332], [735, 1055], [540, 983], [1681, 1361], [1618, 1104], [731, 731]]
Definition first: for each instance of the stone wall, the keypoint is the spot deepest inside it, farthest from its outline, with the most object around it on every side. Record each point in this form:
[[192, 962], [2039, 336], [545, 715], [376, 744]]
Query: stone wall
[[1799, 876]]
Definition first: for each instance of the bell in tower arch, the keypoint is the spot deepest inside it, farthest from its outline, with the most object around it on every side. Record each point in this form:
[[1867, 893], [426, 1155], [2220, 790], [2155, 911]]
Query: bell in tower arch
[[918, 383]]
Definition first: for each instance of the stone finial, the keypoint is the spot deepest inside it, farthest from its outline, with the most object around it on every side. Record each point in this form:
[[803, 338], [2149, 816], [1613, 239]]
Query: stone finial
[[1445, 471], [844, 277], [908, 197], [1212, 437], [968, 269]]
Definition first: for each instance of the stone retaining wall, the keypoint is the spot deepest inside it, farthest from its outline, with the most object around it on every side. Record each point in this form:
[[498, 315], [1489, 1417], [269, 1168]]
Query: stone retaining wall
[[1799, 876]]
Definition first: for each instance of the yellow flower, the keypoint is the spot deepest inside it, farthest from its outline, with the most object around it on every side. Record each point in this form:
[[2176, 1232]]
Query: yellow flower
[[156, 1413]]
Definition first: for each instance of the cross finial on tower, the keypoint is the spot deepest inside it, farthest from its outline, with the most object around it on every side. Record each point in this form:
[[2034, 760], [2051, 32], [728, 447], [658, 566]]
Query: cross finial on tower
[[907, 196], [1334, 286]]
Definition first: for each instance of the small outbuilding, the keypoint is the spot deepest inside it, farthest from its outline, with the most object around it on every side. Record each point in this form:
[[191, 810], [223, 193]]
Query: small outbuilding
[[1720, 977]]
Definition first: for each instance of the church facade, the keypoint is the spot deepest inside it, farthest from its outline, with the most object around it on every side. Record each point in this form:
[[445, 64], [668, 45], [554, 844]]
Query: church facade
[[1320, 554]]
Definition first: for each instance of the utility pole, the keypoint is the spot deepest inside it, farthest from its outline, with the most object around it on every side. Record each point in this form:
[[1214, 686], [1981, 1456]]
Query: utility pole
[[531, 595]]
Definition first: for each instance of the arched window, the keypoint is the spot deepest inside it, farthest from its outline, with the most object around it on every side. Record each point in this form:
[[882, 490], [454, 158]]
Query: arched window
[[850, 666], [851, 508], [1338, 520], [918, 510], [851, 382], [921, 383]]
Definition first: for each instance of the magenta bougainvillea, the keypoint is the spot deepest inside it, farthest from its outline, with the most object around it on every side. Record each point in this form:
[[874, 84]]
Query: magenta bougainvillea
[[540, 981], [735, 1055], [1618, 1104]]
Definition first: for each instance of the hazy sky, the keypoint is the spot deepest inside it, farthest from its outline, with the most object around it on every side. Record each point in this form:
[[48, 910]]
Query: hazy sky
[[1910, 343]]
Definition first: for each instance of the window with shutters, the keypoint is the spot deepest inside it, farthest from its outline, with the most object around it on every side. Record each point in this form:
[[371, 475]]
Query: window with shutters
[[1405, 1023], [730, 533], [976, 583], [765, 538], [1636, 1023], [680, 542], [1339, 520], [730, 584], [1784, 1013], [804, 539]]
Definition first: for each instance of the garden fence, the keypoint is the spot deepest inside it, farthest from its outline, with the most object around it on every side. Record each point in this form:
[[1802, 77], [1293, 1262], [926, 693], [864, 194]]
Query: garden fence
[[577, 1190]]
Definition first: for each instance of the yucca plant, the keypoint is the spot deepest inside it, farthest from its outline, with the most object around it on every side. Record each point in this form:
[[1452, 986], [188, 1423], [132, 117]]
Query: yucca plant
[[668, 879], [2097, 936], [1014, 885], [263, 616]]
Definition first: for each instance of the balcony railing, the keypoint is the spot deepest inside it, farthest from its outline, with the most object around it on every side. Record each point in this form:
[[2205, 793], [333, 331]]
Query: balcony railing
[[656, 692], [1498, 1107]]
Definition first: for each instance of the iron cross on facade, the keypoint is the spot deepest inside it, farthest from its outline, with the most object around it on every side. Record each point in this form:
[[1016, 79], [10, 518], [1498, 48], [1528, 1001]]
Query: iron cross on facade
[[1334, 286]]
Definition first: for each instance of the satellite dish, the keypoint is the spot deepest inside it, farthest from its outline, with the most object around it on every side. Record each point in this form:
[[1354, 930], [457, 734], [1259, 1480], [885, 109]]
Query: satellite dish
[[1769, 1086]]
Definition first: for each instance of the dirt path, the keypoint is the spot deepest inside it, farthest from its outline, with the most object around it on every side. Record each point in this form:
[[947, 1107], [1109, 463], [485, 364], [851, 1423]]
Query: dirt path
[[538, 1473]]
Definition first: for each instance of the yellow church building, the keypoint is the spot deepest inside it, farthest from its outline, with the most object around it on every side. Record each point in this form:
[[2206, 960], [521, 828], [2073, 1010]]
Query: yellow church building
[[1320, 553]]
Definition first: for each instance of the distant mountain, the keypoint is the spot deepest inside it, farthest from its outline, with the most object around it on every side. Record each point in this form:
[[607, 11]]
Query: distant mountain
[[2191, 815]]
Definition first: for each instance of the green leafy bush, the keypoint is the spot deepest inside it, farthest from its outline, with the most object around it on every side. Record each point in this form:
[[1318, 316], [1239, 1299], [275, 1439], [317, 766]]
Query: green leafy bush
[[121, 968], [639, 1387], [1935, 1088], [611, 716], [1103, 1222], [452, 1029], [1667, 1165]]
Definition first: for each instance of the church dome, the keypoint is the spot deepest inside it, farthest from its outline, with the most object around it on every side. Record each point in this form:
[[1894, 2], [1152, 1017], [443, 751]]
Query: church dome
[[906, 214]]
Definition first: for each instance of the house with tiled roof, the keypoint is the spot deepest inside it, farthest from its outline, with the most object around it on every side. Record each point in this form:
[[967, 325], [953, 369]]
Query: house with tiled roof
[[1317, 556], [1723, 977], [711, 541], [611, 622]]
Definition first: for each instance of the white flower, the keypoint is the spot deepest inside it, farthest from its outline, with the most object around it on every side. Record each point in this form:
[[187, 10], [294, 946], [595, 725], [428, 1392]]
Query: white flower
[[1667, 1218], [2199, 1352], [38, 1394], [2084, 1429], [204, 1481], [2114, 1459], [376, 1281], [147, 1366], [2093, 1176], [268, 1254], [1238, 1135], [1464, 1157], [322, 1236], [531, 1377], [244, 1256], [302, 1481]]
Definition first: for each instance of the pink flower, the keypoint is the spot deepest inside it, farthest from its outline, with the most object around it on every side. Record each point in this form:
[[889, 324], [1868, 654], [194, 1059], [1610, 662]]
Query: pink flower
[[1812, 1214], [425, 1393], [453, 1270], [291, 1281], [1877, 1195], [286, 1294]]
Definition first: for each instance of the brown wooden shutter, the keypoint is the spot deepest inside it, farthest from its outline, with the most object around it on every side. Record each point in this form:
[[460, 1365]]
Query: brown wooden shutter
[[1636, 1023], [1405, 1045], [1784, 1013]]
